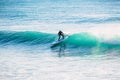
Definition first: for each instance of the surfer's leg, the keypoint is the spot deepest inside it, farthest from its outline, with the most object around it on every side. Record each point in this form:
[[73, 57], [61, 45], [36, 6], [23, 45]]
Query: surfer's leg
[[59, 38]]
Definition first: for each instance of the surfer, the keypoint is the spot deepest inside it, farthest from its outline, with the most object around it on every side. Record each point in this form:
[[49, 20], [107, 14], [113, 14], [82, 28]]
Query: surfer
[[60, 34]]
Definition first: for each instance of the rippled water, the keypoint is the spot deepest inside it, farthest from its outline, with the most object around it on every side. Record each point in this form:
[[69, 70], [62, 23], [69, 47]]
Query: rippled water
[[29, 27]]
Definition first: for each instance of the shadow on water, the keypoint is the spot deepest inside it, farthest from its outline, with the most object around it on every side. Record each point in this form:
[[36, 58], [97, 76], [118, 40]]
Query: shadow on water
[[65, 50], [60, 49]]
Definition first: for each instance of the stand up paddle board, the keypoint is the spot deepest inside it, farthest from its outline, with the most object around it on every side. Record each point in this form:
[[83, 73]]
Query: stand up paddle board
[[58, 41]]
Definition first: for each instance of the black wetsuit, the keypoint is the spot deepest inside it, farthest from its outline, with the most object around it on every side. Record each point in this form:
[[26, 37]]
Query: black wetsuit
[[60, 34]]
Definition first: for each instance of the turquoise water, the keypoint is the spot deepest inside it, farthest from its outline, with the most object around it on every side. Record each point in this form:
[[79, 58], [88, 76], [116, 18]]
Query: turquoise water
[[75, 41], [29, 27]]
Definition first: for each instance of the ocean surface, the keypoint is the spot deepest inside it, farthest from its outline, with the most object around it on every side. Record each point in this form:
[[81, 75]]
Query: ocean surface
[[29, 27]]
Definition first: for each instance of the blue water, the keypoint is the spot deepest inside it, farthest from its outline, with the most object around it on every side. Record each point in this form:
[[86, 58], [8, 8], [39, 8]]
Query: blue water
[[54, 11], [29, 27]]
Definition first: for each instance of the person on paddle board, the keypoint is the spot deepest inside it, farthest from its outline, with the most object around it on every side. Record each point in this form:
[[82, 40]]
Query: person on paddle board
[[60, 34]]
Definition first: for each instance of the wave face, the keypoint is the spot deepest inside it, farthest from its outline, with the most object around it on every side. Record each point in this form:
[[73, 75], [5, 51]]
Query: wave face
[[79, 44], [82, 39], [74, 40], [26, 37]]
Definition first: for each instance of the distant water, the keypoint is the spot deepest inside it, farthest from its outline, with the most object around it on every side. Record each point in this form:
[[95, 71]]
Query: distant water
[[29, 27]]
